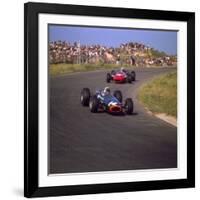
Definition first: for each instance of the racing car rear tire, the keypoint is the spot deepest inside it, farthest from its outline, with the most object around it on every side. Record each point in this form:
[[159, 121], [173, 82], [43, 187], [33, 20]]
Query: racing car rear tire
[[129, 78], [133, 75], [85, 96], [94, 104], [118, 95], [129, 106], [108, 77], [113, 72]]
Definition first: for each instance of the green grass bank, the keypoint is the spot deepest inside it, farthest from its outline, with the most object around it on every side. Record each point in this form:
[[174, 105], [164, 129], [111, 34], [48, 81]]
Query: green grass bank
[[160, 94], [60, 69]]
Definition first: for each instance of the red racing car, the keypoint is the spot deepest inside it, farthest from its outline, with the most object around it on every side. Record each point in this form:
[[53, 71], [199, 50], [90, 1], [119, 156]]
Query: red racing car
[[121, 76]]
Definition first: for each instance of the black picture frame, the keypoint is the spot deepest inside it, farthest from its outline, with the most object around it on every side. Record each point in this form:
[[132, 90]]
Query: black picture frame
[[31, 12]]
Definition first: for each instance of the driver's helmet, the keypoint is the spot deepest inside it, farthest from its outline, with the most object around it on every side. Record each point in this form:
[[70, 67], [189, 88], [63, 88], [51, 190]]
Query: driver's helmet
[[122, 69], [106, 91]]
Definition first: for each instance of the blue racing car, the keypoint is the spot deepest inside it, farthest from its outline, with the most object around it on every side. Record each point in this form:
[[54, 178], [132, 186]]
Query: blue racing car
[[103, 100]]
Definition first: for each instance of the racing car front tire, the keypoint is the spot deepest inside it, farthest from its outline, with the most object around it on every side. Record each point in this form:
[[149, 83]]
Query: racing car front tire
[[129, 106], [118, 95], [108, 78], [94, 104], [85, 96]]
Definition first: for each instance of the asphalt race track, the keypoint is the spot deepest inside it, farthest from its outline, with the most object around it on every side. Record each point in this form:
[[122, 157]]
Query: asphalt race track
[[81, 141]]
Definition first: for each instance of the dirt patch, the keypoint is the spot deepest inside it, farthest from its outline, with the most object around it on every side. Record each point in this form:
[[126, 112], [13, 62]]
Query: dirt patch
[[170, 119], [167, 118]]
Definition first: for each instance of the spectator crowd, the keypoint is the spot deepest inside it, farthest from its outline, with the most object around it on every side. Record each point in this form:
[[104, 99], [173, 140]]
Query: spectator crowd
[[128, 53]]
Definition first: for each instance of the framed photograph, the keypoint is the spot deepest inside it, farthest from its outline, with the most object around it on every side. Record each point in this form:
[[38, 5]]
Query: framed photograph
[[109, 99]]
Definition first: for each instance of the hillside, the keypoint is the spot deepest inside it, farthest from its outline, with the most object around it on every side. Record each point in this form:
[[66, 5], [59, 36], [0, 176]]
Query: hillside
[[133, 54]]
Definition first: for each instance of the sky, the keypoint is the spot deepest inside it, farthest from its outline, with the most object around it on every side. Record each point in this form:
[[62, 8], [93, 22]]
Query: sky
[[161, 40]]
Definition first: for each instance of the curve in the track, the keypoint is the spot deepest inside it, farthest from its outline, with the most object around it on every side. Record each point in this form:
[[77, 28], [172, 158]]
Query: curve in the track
[[81, 141]]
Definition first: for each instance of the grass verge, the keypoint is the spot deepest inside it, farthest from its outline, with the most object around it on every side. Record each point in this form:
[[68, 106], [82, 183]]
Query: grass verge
[[59, 69], [160, 94]]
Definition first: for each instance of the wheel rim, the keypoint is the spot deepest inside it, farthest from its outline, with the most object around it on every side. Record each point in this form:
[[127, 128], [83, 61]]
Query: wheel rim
[[90, 104], [81, 98]]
